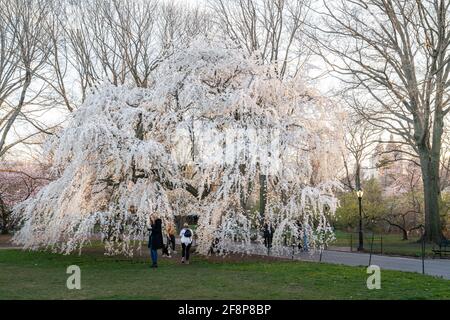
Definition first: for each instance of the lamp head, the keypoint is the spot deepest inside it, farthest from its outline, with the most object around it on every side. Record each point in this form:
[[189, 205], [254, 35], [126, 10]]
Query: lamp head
[[360, 193]]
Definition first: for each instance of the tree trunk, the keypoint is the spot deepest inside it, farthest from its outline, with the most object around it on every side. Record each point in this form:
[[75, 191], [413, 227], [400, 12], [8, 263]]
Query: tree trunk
[[405, 234], [430, 178], [262, 195], [5, 227], [4, 215]]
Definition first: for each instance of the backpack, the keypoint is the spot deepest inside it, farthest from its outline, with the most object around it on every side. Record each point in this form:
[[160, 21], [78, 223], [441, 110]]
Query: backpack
[[187, 233]]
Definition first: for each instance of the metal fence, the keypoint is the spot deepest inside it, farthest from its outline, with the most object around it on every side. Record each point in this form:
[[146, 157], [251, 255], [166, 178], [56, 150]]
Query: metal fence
[[372, 242]]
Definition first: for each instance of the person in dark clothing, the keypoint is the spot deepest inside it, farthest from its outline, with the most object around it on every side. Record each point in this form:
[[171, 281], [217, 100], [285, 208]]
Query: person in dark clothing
[[155, 241], [268, 235], [213, 248], [170, 245], [299, 239], [171, 231], [166, 250]]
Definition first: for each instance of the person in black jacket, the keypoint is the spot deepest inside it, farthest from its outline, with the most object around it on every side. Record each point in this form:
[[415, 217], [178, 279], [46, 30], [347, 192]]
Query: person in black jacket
[[268, 235], [155, 241]]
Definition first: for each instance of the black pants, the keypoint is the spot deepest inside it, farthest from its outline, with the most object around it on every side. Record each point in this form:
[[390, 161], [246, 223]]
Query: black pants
[[172, 242], [268, 241], [185, 250]]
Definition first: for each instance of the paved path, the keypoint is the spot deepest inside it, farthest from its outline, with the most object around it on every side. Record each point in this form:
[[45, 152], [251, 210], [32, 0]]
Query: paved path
[[434, 267]]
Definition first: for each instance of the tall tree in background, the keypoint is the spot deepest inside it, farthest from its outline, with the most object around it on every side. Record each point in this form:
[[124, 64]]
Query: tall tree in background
[[54, 53], [394, 55], [23, 52], [273, 30], [117, 42], [359, 142]]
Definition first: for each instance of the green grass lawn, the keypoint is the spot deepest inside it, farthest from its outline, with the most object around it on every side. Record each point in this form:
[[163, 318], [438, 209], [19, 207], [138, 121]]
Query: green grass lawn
[[392, 244], [41, 275]]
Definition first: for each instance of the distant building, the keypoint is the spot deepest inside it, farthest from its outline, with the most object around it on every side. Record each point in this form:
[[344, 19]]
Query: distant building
[[388, 164]]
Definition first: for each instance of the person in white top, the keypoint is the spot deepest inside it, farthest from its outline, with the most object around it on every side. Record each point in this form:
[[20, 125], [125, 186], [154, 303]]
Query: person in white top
[[186, 235]]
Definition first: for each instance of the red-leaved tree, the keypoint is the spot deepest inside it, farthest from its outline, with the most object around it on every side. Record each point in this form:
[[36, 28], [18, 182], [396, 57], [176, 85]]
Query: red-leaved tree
[[18, 181]]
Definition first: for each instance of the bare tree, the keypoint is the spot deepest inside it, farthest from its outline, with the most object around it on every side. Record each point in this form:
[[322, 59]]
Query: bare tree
[[405, 208], [23, 53], [57, 65], [131, 25], [359, 142], [395, 55], [178, 24], [271, 29], [52, 53], [120, 42]]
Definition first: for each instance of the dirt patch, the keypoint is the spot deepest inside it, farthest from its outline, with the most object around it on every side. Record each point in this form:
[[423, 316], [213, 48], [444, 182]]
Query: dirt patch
[[5, 241]]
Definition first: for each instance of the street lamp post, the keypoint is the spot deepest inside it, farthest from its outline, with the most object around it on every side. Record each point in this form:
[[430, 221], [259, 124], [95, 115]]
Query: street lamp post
[[360, 194]]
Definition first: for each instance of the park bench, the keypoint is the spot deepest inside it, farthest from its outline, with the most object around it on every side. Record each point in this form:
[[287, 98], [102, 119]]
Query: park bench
[[442, 249]]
